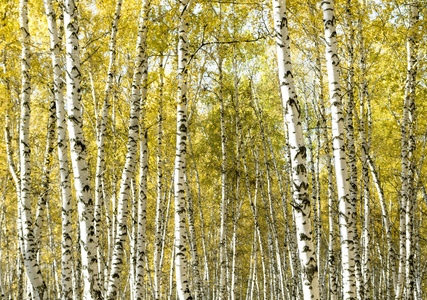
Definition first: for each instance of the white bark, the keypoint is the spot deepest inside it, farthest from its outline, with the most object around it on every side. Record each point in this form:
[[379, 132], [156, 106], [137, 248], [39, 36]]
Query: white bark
[[237, 212], [412, 193], [198, 291], [255, 215], [78, 155], [271, 217], [132, 149], [224, 192], [45, 180], [314, 196], [29, 249], [66, 243], [180, 242], [142, 216], [202, 223], [101, 135], [302, 208], [346, 221], [351, 153], [386, 222], [141, 246], [159, 203], [366, 235], [142, 204], [331, 193]]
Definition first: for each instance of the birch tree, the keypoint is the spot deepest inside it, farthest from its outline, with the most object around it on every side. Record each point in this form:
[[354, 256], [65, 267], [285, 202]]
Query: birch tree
[[224, 191], [180, 243], [351, 152], [330, 181], [58, 87], [364, 154], [85, 207], [302, 207], [346, 221], [29, 249], [159, 203], [409, 104], [101, 136], [132, 149], [142, 201]]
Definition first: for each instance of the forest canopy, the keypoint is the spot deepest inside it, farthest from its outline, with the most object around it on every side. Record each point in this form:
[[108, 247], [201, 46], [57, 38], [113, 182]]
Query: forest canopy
[[194, 149]]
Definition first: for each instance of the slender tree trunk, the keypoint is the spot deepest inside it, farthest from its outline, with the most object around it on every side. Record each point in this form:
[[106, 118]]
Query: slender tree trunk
[[132, 149], [314, 194], [237, 208], [255, 213], [180, 255], [133, 236], [206, 276], [412, 193], [283, 195], [346, 221], [251, 268], [271, 210], [291, 234], [224, 192], [351, 153], [101, 136], [45, 182], [198, 293], [56, 290], [166, 217], [58, 87], [366, 262], [386, 222], [302, 208], [331, 193], [78, 155], [58, 90], [142, 216], [29, 250], [159, 202], [141, 246]]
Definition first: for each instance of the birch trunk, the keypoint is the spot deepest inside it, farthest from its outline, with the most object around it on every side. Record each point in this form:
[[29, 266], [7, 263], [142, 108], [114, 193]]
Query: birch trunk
[[351, 153], [293, 250], [255, 214], [141, 246], [206, 276], [78, 155], [29, 250], [364, 149], [224, 193], [271, 217], [101, 135], [314, 196], [133, 236], [142, 217], [283, 195], [302, 208], [331, 192], [387, 224], [45, 182], [237, 211], [166, 217], [132, 149], [180, 242], [159, 202], [58, 90], [412, 193], [193, 246], [346, 221]]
